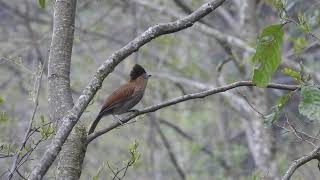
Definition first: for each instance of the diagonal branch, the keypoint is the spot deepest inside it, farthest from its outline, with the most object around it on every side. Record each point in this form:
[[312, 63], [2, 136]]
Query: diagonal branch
[[203, 148], [315, 154], [187, 97], [167, 145], [72, 117], [203, 27], [185, 135]]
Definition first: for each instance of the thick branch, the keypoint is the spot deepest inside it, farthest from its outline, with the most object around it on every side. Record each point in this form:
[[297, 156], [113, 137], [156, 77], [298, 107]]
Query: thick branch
[[301, 161], [187, 97], [104, 70], [205, 28]]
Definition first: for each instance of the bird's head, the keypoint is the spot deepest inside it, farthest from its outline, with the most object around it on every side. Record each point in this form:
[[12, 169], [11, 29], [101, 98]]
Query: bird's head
[[138, 71]]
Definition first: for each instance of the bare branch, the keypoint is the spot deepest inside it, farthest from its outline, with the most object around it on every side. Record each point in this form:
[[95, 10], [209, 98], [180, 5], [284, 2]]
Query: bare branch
[[185, 135], [37, 85], [72, 117], [167, 145], [204, 27], [203, 148], [187, 97], [297, 133], [301, 161]]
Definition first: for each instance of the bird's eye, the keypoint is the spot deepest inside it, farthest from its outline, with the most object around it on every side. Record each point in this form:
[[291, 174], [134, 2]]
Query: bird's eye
[[145, 76]]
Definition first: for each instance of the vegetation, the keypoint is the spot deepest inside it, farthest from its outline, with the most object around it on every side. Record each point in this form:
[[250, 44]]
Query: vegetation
[[234, 92]]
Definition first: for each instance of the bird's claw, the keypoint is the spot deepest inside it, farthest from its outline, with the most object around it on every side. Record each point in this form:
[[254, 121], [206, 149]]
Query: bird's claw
[[134, 111], [119, 120]]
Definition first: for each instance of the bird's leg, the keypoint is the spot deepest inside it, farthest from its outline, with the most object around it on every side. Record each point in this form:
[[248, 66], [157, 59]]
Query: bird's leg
[[119, 120]]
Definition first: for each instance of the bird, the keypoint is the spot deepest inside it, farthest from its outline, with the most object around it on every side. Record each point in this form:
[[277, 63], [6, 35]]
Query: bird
[[125, 97]]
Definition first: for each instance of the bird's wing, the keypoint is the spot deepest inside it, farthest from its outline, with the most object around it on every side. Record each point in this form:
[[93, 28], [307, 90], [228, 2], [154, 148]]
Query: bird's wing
[[123, 93]]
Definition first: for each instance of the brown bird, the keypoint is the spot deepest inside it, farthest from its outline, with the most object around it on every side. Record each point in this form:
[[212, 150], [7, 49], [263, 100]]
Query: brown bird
[[125, 97]]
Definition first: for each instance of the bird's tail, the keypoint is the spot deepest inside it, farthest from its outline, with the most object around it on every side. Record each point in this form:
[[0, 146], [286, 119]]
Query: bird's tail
[[95, 123]]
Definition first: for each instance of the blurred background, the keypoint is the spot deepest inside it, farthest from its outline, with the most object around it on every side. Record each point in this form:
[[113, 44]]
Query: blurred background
[[219, 137]]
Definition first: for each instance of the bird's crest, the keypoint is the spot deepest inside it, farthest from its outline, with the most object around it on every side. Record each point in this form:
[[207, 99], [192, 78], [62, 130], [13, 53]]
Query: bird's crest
[[136, 71]]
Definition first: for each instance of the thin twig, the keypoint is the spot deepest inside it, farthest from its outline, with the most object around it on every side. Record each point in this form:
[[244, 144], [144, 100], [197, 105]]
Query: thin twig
[[37, 86], [301, 161], [167, 145], [252, 107], [297, 133]]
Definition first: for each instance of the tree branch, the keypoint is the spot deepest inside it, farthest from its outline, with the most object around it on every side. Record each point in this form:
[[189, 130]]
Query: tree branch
[[167, 145], [37, 85], [72, 117], [187, 97], [203, 148], [185, 135], [301, 161], [205, 28]]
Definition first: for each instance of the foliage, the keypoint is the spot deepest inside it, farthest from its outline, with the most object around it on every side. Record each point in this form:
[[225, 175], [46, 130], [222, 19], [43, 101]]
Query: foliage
[[310, 104], [294, 74], [304, 23], [299, 44], [46, 128], [284, 100], [42, 3], [1, 101], [96, 177], [268, 54], [6, 149], [276, 4], [102, 27], [3, 117], [134, 154], [274, 116]]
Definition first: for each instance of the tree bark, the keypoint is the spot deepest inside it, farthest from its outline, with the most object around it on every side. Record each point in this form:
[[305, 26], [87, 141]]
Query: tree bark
[[72, 154], [260, 139], [59, 92]]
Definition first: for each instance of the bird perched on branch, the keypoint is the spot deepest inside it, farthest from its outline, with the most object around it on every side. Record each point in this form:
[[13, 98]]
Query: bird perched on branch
[[124, 98]]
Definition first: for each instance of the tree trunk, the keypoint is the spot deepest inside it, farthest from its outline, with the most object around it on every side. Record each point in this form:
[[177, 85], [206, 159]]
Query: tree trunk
[[260, 139], [59, 92], [72, 154]]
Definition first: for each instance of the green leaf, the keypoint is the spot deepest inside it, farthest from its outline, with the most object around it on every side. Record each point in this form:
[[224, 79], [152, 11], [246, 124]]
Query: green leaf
[[276, 4], [294, 74], [3, 117], [50, 131], [42, 133], [310, 104], [256, 176], [271, 118], [1, 100], [283, 100], [304, 23], [134, 154], [96, 177], [268, 54], [42, 119], [42, 3], [299, 45]]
